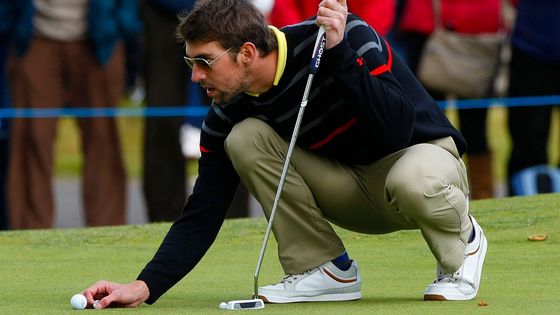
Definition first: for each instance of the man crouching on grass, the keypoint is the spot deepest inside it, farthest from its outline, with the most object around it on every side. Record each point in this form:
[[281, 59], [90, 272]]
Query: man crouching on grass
[[375, 155]]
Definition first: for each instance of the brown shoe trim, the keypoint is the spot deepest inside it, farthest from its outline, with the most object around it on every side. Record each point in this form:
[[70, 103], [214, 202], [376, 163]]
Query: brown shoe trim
[[434, 297], [474, 251], [334, 277], [262, 297]]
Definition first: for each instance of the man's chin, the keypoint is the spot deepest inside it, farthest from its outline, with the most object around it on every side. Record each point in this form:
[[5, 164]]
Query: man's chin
[[222, 99], [218, 100]]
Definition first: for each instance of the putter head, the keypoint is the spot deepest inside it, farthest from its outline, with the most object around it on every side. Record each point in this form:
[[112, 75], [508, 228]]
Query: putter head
[[242, 304]]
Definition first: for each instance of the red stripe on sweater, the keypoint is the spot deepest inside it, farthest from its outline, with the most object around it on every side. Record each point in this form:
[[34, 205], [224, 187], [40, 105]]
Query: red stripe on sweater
[[386, 67], [333, 134]]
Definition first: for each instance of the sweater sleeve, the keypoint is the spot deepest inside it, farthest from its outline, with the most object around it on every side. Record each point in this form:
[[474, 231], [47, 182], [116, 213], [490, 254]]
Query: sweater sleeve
[[363, 65], [194, 232]]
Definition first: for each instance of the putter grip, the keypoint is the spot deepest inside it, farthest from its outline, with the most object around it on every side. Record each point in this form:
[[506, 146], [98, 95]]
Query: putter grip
[[318, 51]]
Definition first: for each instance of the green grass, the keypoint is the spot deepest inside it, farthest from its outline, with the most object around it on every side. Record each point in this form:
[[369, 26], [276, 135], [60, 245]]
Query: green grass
[[41, 270]]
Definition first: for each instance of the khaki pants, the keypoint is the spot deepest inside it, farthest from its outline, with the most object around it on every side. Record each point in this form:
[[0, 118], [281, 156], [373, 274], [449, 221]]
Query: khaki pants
[[53, 74], [421, 187]]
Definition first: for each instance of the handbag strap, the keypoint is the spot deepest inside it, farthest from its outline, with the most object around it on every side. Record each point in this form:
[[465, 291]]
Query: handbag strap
[[436, 8]]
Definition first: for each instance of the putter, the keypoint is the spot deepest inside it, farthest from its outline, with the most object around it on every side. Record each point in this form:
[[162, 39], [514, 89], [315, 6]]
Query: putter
[[256, 302]]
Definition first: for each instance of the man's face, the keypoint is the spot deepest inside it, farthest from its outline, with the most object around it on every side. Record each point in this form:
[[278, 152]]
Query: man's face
[[216, 70]]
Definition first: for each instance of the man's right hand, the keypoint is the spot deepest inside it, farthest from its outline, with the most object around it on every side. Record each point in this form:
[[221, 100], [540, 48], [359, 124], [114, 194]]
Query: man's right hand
[[332, 15], [116, 294]]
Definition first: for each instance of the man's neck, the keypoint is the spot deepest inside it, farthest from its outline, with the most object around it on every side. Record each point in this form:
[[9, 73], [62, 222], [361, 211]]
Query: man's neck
[[263, 72]]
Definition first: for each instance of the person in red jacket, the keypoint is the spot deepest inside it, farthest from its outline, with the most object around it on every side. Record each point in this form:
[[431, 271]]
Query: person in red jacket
[[380, 14], [468, 17]]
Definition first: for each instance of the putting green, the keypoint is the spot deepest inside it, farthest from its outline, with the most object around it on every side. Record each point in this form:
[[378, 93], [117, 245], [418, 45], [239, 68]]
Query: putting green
[[41, 270]]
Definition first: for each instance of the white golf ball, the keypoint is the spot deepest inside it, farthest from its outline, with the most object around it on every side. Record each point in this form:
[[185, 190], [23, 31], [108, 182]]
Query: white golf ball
[[78, 302], [223, 305]]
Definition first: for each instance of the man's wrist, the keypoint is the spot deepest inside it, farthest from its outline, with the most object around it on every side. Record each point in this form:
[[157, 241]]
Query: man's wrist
[[141, 289]]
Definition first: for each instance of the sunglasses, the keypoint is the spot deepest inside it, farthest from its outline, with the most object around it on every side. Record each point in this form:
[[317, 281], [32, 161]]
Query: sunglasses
[[203, 62]]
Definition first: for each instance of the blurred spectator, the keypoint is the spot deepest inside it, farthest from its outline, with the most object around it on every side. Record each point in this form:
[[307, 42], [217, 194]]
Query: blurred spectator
[[166, 80], [168, 141], [4, 129], [380, 14], [134, 89], [67, 52], [469, 17], [534, 70]]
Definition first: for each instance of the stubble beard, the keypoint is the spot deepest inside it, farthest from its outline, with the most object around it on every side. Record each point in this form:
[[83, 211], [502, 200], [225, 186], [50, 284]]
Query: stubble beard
[[241, 85]]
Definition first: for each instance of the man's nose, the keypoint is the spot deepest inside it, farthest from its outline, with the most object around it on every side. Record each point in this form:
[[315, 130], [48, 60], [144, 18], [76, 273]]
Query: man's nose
[[197, 74]]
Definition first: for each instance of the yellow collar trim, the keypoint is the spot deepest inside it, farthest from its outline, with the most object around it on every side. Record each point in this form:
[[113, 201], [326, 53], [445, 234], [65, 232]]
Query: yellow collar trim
[[282, 53]]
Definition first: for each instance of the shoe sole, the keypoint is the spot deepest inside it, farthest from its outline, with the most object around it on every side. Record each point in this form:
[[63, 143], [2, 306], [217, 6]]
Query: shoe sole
[[317, 298], [454, 297]]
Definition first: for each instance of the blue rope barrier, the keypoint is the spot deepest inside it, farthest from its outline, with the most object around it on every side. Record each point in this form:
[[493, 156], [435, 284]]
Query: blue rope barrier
[[84, 112], [201, 111], [501, 102]]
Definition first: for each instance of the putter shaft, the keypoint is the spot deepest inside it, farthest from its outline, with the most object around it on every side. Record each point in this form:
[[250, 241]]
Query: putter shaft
[[316, 57]]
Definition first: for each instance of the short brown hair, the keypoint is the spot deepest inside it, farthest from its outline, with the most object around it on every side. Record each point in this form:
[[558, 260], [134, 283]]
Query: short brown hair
[[229, 22]]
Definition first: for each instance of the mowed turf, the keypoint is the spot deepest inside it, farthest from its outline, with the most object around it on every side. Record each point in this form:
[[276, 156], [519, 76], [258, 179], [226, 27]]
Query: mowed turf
[[41, 270]]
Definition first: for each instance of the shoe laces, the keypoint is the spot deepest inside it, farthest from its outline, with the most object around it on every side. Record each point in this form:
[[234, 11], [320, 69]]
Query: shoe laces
[[293, 277], [447, 277]]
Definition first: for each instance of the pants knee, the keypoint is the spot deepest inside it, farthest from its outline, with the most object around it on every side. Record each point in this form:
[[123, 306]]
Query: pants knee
[[247, 141], [424, 194], [410, 192]]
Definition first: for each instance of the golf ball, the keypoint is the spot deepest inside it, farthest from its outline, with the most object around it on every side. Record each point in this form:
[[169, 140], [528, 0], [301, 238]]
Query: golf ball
[[78, 302], [96, 304], [223, 305]]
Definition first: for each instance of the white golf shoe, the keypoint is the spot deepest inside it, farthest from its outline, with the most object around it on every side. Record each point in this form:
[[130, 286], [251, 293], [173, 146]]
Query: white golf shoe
[[462, 284], [323, 283]]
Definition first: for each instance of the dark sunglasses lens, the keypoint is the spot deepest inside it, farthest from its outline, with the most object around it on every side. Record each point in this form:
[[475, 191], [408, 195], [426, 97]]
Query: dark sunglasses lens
[[188, 62], [202, 63], [199, 62]]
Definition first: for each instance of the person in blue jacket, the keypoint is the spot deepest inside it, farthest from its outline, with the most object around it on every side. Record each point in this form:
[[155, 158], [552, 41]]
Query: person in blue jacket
[[66, 53]]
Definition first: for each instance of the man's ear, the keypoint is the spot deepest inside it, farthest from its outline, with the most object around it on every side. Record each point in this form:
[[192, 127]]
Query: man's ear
[[248, 53]]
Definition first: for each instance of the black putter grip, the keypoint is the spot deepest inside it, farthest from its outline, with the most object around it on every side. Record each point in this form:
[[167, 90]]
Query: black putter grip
[[318, 51]]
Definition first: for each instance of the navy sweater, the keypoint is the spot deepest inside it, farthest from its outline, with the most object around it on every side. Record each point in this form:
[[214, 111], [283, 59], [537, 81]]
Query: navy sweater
[[364, 104], [537, 29]]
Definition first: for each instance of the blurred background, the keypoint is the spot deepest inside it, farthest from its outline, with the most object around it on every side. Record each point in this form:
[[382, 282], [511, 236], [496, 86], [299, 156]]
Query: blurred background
[[135, 169]]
